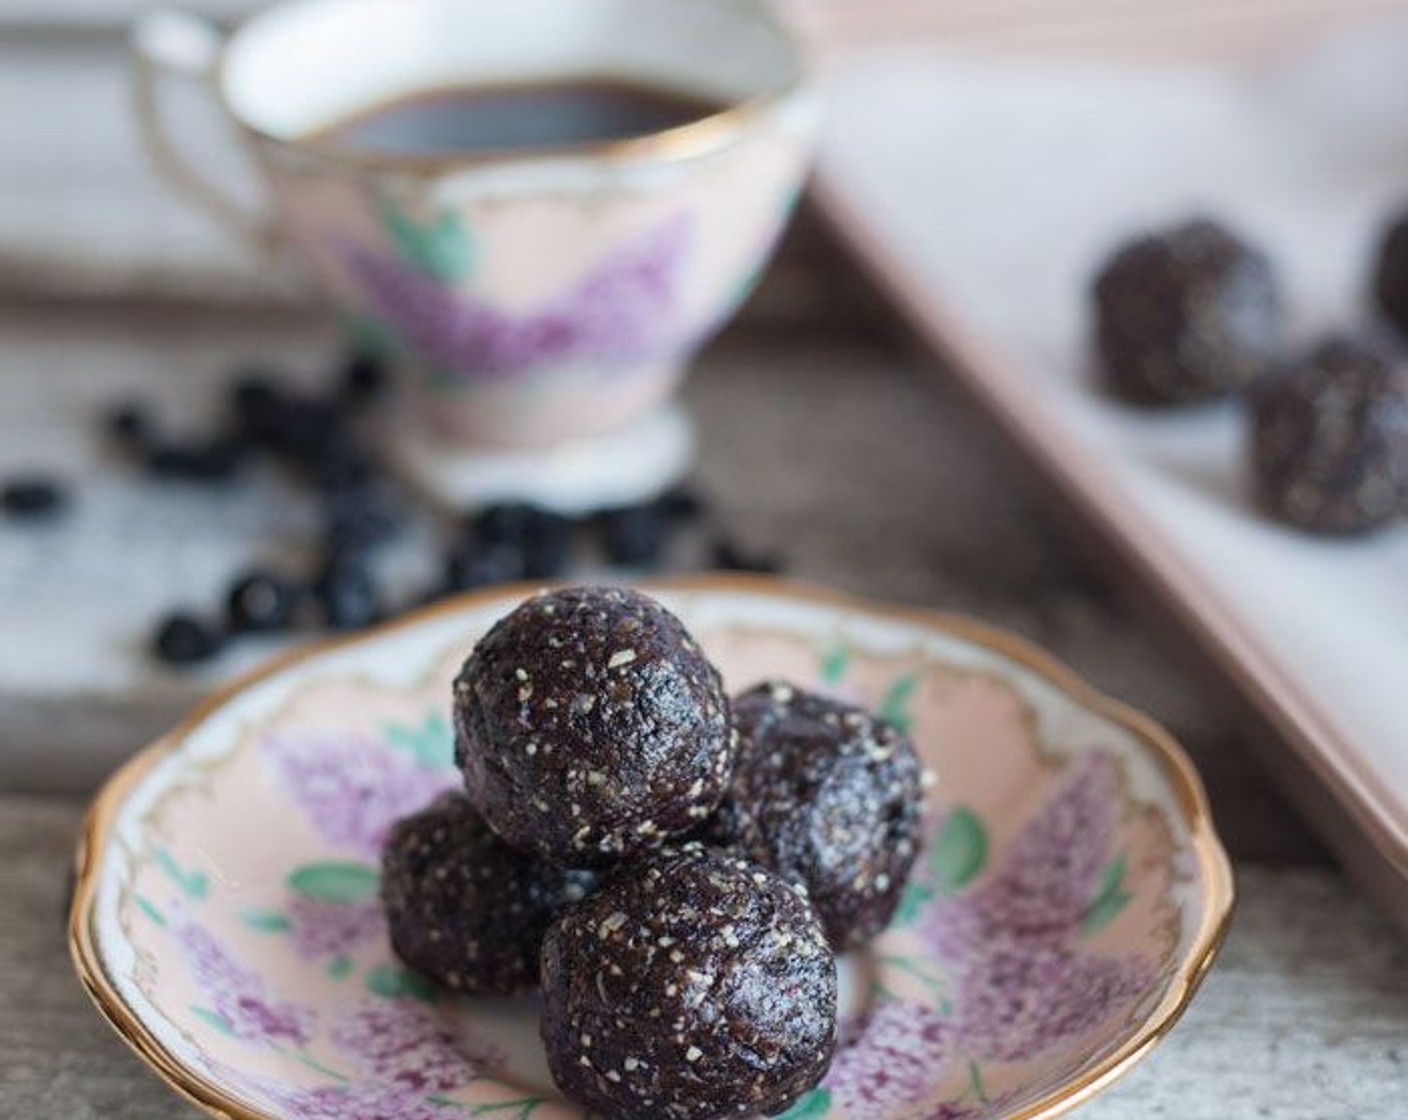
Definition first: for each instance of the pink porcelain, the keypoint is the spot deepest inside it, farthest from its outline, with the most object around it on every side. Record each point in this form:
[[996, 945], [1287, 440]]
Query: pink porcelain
[[1070, 898], [534, 298]]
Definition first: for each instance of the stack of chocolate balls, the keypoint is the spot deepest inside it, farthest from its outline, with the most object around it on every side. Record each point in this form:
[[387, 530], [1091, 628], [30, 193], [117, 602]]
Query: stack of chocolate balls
[[1194, 313], [677, 871]]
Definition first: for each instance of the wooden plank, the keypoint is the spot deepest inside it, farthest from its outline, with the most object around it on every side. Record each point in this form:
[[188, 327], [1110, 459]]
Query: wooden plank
[[1304, 1015]]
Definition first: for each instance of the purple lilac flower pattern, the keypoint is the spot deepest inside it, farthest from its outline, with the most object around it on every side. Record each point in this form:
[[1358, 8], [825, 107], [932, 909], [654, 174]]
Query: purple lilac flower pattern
[[403, 1042], [353, 790], [624, 309], [1048, 874], [326, 929], [1020, 1000], [900, 1055], [361, 1100], [236, 994], [1024, 984]]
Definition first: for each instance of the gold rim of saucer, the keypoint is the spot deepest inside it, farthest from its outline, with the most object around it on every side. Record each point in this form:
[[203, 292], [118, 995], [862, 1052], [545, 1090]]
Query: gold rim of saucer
[[712, 132], [1214, 867]]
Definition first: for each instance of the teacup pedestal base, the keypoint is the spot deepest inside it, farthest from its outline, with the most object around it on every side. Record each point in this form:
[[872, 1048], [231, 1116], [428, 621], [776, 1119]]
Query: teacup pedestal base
[[621, 468]]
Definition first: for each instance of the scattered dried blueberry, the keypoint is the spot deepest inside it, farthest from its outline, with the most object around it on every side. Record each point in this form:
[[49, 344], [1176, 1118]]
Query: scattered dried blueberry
[[347, 593], [254, 387], [543, 538], [727, 556], [681, 503], [547, 552], [505, 523], [183, 639], [358, 518], [634, 536], [32, 497], [255, 400], [345, 468], [469, 567], [212, 460], [363, 376], [261, 602], [304, 430], [130, 425]]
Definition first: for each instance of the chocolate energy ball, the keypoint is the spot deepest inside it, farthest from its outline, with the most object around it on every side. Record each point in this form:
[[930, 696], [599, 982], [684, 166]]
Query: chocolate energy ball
[[1390, 282], [1330, 439], [464, 908], [1186, 315], [828, 796], [692, 985], [590, 726]]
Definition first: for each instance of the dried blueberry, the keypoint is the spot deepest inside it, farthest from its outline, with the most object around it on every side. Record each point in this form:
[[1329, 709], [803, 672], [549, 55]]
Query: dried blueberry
[[183, 639], [727, 556], [261, 602], [346, 468], [347, 593], [301, 429], [358, 518], [681, 503], [634, 536], [469, 566], [547, 551], [256, 402], [32, 497], [505, 523], [254, 388], [542, 537], [130, 425], [211, 460], [363, 376]]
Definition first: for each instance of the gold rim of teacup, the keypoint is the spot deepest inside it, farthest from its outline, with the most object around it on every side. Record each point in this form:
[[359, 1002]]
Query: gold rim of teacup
[[712, 132]]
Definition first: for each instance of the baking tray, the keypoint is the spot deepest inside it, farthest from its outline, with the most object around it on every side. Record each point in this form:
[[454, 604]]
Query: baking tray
[[983, 187]]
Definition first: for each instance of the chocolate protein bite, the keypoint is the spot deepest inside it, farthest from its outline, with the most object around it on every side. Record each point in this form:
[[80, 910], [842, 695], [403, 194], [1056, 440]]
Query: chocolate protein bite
[[463, 907], [828, 796], [1330, 439], [693, 985], [590, 726], [1185, 315]]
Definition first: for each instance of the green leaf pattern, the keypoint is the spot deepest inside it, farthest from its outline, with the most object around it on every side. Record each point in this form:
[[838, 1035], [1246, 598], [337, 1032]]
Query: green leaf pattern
[[440, 247], [335, 881], [431, 744], [1110, 898], [959, 851]]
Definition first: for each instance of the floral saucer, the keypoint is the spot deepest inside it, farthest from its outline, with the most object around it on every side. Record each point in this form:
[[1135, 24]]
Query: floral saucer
[[1071, 896]]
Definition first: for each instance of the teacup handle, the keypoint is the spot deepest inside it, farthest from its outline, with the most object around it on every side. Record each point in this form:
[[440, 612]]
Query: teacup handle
[[170, 43]]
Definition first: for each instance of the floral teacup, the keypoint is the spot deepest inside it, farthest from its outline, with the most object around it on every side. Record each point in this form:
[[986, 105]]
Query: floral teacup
[[1071, 895], [538, 296]]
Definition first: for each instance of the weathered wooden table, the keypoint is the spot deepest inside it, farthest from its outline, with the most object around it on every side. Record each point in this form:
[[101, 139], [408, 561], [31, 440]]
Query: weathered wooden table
[[824, 435]]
